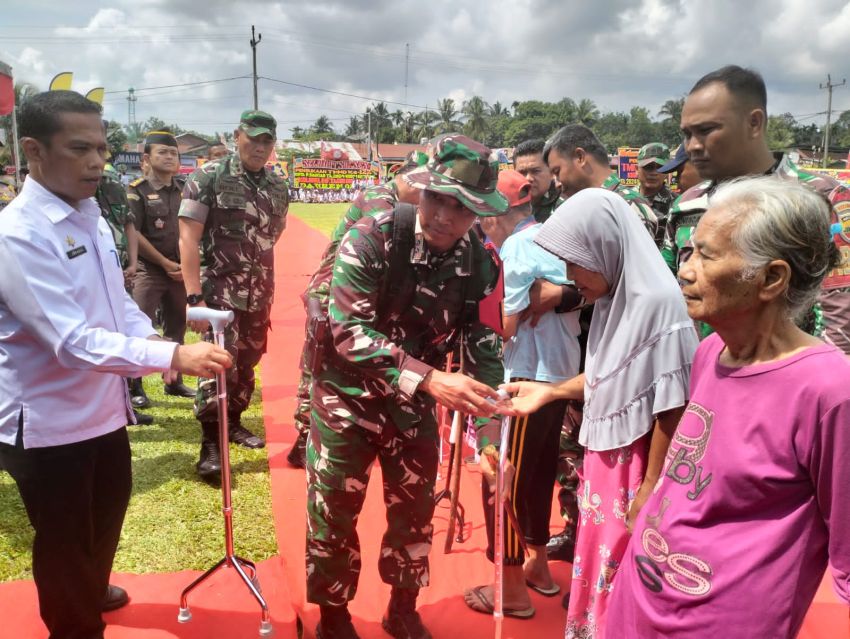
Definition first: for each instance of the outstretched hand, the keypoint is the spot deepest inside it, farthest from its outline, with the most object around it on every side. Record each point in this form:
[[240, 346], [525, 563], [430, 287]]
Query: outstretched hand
[[457, 391], [526, 397]]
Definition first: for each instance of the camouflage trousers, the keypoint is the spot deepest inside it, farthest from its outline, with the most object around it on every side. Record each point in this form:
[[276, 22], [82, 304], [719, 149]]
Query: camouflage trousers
[[245, 339], [339, 460], [570, 457]]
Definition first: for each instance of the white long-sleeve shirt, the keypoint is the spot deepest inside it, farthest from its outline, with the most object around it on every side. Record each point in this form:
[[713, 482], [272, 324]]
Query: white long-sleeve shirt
[[69, 332]]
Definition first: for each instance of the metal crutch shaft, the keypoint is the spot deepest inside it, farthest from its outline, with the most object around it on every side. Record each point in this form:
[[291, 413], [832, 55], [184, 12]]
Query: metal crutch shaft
[[218, 321]]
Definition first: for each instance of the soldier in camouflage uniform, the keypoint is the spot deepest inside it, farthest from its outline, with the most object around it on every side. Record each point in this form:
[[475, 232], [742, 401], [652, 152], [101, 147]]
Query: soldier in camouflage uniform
[[233, 212], [737, 98], [381, 197], [380, 376], [653, 183], [545, 194]]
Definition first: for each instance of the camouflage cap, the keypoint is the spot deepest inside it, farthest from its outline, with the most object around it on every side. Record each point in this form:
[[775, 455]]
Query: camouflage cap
[[414, 160], [463, 169], [653, 153], [256, 123]]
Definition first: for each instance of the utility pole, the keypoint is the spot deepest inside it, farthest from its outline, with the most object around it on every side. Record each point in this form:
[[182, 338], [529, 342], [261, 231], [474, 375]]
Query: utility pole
[[369, 134], [406, 67], [131, 111], [254, 43], [829, 86]]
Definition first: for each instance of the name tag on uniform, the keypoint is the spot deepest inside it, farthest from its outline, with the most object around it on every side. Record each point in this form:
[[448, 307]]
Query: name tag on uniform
[[153, 196], [76, 252]]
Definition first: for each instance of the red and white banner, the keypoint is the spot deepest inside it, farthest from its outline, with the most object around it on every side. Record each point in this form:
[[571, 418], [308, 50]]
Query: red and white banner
[[7, 90]]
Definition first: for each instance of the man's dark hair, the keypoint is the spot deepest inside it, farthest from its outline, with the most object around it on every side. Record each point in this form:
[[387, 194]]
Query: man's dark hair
[[575, 136], [746, 85], [533, 146], [40, 115]]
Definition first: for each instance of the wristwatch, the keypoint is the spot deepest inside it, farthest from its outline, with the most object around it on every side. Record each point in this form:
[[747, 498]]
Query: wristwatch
[[194, 299]]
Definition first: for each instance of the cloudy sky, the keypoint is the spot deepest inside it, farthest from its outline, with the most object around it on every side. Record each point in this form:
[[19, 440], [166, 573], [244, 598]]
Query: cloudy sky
[[619, 53]]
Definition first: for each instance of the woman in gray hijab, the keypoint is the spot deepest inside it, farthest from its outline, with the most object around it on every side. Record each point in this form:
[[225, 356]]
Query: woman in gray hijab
[[635, 386]]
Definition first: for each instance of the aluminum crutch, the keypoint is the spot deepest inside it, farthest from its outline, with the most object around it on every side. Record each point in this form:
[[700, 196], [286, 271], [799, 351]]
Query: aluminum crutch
[[218, 321]]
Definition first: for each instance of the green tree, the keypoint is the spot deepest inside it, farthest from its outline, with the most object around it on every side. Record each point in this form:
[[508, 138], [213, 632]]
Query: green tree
[[116, 138], [612, 130], [669, 127], [448, 115], [475, 112], [426, 124], [354, 129], [780, 134], [322, 126], [586, 112], [641, 129], [537, 119]]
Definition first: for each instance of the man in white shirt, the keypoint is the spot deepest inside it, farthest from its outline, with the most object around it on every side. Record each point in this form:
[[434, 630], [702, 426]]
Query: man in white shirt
[[69, 333]]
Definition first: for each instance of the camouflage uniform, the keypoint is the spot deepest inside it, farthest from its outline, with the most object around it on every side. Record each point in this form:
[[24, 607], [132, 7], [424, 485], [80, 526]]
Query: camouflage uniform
[[115, 208], [661, 203], [543, 208], [831, 317], [636, 201], [365, 399], [7, 193], [373, 200], [243, 218]]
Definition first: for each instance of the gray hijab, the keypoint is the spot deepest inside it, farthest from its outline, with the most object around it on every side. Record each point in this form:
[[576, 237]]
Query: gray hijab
[[641, 342]]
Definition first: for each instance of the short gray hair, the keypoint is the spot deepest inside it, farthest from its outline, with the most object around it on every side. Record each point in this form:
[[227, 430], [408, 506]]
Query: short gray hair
[[779, 219]]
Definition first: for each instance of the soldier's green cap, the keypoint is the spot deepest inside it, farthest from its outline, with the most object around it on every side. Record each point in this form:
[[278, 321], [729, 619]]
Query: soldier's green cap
[[653, 153], [463, 169], [256, 123]]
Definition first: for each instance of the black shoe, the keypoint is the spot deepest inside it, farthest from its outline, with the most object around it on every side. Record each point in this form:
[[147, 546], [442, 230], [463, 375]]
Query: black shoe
[[335, 624], [143, 419], [401, 619], [138, 397], [561, 547], [209, 464], [297, 456], [240, 435], [179, 390], [565, 601], [115, 598]]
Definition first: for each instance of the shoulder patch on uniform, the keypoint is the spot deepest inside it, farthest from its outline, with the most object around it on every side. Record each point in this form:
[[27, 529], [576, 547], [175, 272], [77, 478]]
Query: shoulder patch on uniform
[[133, 196], [138, 181]]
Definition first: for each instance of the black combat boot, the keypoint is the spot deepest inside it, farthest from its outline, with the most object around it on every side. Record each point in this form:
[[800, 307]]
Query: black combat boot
[[335, 623], [297, 456], [179, 389], [209, 464], [238, 434], [401, 619], [138, 397]]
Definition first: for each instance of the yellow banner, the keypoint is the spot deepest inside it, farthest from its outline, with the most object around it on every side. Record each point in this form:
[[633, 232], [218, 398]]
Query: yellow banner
[[96, 95], [62, 81]]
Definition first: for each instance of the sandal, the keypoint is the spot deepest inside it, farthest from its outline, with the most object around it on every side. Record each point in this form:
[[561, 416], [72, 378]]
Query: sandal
[[551, 591], [485, 606]]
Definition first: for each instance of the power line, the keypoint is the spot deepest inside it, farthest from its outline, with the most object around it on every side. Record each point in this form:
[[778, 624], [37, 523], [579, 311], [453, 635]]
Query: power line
[[185, 84], [349, 95]]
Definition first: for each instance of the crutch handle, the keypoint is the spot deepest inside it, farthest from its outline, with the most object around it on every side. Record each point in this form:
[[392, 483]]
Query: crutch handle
[[217, 319]]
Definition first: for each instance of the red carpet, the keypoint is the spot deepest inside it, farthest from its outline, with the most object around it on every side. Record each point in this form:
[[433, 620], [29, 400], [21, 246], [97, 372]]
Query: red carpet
[[223, 609]]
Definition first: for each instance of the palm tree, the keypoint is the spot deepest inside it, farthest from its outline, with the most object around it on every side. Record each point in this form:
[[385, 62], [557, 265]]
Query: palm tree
[[322, 126], [354, 128], [426, 121], [381, 121], [23, 92], [586, 112], [409, 126], [448, 116], [673, 110], [475, 111], [496, 110]]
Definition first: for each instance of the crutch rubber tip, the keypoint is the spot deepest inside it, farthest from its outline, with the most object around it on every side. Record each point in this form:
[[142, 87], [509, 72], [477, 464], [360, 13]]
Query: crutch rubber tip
[[266, 629], [184, 616]]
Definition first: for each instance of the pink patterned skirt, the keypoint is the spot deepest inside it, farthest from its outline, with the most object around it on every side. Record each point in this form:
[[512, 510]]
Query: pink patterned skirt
[[608, 483]]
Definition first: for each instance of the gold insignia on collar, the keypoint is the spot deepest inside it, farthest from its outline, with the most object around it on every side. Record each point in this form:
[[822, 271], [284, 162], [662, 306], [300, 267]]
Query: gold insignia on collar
[[70, 241]]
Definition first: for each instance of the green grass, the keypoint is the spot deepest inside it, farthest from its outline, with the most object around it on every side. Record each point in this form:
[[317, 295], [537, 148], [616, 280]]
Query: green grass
[[322, 217], [174, 520]]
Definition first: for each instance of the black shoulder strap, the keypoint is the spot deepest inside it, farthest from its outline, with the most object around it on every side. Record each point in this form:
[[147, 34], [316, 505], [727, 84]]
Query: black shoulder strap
[[394, 293]]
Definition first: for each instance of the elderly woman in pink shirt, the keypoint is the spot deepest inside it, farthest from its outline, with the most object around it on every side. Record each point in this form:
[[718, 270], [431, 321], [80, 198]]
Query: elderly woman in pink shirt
[[753, 502]]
